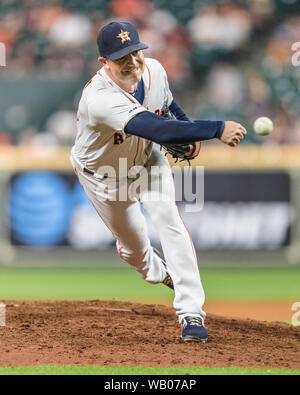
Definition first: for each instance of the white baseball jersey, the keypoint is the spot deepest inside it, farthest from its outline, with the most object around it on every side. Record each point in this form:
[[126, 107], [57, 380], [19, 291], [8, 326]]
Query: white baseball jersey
[[103, 113]]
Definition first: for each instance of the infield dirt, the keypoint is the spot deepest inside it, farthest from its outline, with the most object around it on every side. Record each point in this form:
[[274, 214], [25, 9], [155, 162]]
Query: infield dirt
[[127, 334]]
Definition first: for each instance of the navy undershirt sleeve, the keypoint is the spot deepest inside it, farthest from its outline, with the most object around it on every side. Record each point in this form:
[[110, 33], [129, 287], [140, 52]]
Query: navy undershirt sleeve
[[169, 131], [178, 111]]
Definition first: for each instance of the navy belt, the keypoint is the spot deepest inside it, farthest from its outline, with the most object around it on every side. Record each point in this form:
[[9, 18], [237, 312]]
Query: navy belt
[[92, 173], [88, 171]]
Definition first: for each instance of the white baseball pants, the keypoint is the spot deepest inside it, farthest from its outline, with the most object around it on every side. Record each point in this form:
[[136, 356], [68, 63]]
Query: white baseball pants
[[128, 225]]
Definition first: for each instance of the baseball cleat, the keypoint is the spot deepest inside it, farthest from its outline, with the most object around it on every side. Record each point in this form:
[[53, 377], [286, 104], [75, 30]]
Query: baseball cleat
[[168, 280], [193, 330]]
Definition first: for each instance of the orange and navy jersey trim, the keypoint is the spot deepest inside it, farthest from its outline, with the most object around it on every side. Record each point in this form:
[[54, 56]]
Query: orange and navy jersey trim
[[137, 151], [132, 101], [149, 83]]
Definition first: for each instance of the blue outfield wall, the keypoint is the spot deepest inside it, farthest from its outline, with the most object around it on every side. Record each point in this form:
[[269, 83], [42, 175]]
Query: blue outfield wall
[[231, 210]]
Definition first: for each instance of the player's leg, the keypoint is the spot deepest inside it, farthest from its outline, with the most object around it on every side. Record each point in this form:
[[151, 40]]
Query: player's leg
[[180, 257], [128, 225], [176, 242]]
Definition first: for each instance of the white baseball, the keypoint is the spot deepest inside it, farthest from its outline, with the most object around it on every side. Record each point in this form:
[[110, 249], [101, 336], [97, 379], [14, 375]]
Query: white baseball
[[263, 126]]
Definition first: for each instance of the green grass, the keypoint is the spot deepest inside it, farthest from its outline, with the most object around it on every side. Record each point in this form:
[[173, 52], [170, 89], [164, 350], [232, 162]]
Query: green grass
[[94, 370], [124, 284]]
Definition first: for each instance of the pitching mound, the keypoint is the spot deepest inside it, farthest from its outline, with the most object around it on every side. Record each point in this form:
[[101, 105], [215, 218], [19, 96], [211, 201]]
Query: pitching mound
[[128, 334]]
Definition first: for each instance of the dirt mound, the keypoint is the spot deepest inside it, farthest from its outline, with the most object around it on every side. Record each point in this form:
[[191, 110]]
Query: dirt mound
[[114, 333]]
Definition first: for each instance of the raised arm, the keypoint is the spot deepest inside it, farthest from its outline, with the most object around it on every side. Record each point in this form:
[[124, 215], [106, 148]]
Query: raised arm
[[169, 131]]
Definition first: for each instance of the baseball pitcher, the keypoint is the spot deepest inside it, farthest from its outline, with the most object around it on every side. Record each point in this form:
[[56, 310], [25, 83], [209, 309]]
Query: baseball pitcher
[[126, 113]]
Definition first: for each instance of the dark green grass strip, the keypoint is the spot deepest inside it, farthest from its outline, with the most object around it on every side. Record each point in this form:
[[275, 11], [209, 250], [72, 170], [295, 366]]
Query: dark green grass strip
[[124, 284], [94, 370]]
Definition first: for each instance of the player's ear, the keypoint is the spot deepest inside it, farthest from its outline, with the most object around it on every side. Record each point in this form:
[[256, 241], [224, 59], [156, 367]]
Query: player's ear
[[102, 60]]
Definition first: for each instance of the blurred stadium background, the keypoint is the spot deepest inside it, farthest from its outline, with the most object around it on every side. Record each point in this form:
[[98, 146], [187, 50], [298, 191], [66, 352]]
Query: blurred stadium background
[[224, 59]]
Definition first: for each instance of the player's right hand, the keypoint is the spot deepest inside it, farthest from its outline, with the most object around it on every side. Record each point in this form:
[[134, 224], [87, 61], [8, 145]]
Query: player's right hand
[[233, 133]]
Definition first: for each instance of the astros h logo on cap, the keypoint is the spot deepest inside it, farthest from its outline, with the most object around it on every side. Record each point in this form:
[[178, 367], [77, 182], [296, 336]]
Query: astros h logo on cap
[[118, 39], [124, 36]]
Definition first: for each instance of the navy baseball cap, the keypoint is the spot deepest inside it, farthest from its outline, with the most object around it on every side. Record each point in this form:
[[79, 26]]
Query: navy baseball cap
[[118, 39]]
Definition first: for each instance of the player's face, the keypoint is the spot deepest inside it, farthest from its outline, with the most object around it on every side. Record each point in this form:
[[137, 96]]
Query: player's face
[[128, 69]]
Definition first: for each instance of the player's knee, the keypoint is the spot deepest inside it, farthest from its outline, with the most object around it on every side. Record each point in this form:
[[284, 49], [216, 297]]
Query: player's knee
[[135, 256]]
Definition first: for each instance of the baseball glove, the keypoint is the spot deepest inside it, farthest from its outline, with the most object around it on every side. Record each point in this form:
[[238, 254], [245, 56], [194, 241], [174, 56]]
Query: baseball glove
[[182, 152]]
